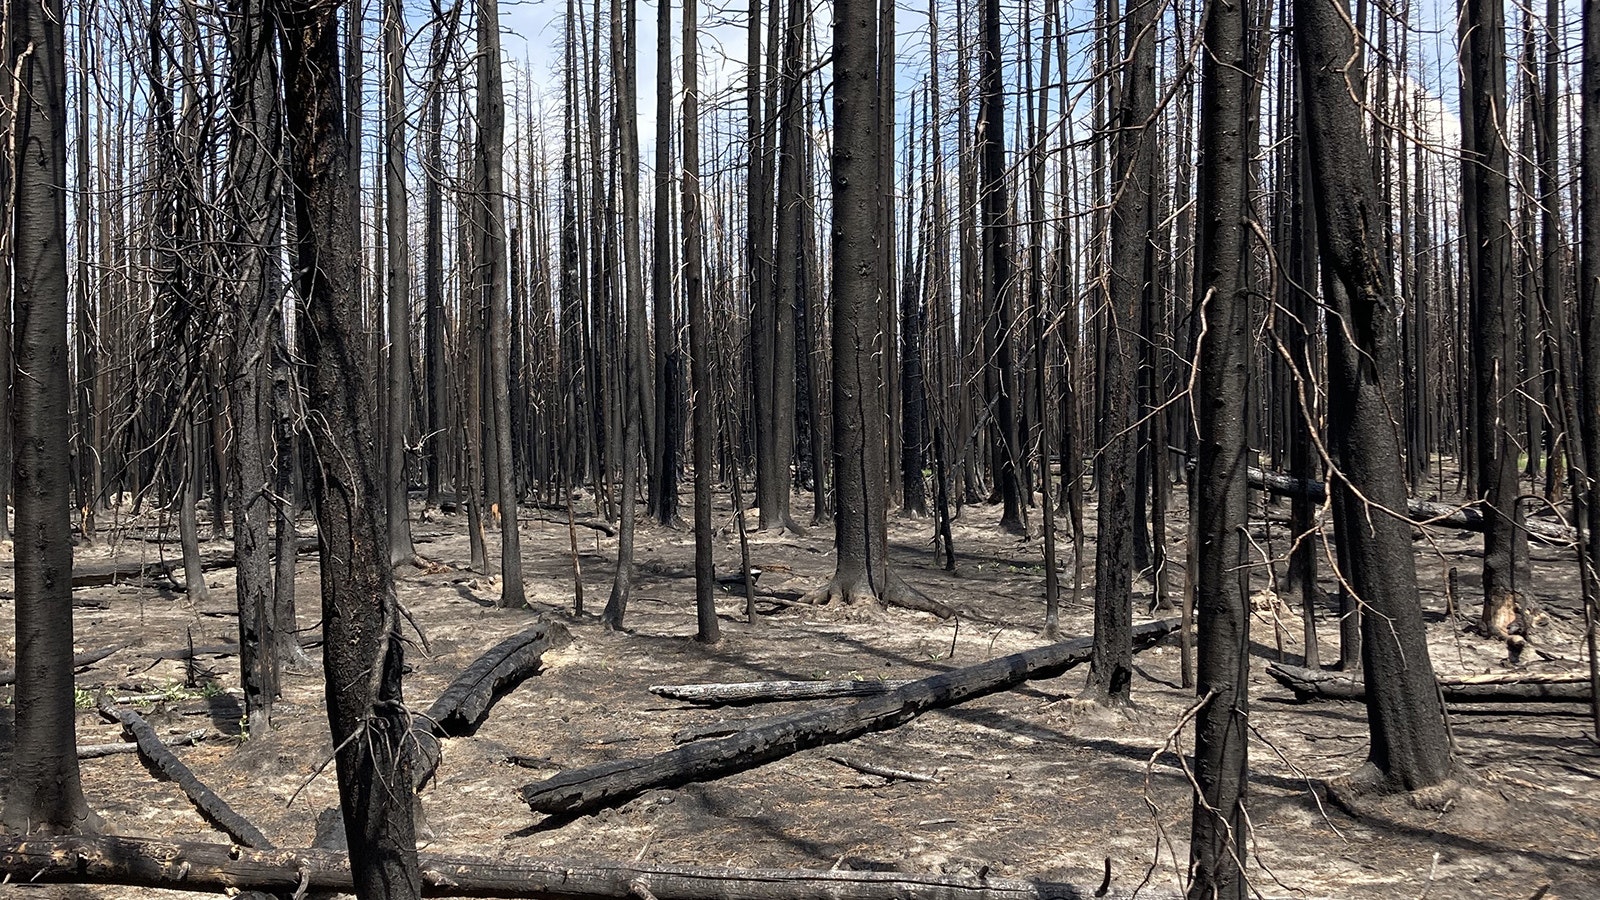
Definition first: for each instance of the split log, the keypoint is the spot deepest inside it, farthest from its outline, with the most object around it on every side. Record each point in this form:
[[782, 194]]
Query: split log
[[771, 691], [463, 704], [1418, 511], [1308, 684], [586, 789], [148, 863], [158, 756], [79, 661]]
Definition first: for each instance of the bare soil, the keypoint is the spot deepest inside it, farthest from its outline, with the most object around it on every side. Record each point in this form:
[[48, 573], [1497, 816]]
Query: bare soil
[[1031, 782]]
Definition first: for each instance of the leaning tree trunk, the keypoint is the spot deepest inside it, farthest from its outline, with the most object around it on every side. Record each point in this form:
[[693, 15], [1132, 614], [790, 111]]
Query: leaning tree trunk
[[45, 794], [1410, 747], [362, 650]]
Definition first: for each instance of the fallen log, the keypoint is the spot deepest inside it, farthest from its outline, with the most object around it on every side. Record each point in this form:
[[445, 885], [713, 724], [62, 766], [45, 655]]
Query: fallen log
[[1418, 511], [586, 789], [771, 691], [96, 751], [884, 772], [79, 660], [1308, 684], [158, 756], [148, 863], [463, 704], [99, 573]]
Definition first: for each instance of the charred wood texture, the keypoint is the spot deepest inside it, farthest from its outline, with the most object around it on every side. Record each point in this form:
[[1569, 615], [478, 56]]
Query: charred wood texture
[[590, 788], [161, 758], [144, 862]]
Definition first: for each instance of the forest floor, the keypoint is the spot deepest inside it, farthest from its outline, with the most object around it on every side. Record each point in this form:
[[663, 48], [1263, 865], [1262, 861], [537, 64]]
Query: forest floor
[[1031, 782]]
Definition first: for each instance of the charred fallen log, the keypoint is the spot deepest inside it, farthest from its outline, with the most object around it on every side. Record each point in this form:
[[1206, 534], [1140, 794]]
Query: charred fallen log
[[142, 862], [79, 661], [771, 691], [464, 703], [163, 760], [590, 788], [1308, 684], [1419, 511]]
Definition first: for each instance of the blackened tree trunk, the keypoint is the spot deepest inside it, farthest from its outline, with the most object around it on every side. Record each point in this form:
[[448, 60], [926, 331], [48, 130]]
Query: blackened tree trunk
[[362, 650], [630, 400], [491, 262], [859, 456], [1589, 297], [789, 261], [1111, 671], [705, 431], [45, 793], [664, 450], [397, 289], [1506, 608], [1410, 747], [254, 206], [998, 288], [1219, 839]]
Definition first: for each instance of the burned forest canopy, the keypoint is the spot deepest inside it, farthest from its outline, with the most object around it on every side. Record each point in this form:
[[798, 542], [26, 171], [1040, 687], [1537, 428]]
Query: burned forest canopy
[[891, 359]]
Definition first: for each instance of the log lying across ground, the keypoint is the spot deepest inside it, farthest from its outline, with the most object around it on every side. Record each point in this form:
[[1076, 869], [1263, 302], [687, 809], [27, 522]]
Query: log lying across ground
[[101, 572], [1419, 511], [79, 660], [464, 703], [771, 691], [1309, 684], [142, 862], [590, 788], [213, 808]]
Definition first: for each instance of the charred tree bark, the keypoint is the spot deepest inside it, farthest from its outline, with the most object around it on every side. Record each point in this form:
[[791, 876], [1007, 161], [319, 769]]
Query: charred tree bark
[[1219, 836], [1410, 747], [587, 789], [363, 653], [1506, 607], [255, 210], [45, 794], [998, 287], [213, 867], [397, 290], [1111, 674], [708, 631]]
